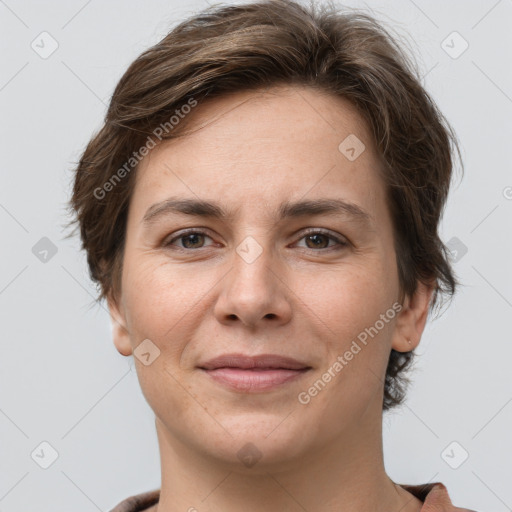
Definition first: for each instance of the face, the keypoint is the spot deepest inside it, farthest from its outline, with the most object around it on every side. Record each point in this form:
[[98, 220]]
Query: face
[[259, 235]]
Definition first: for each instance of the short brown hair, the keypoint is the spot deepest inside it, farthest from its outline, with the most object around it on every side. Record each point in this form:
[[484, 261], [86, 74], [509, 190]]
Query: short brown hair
[[227, 49]]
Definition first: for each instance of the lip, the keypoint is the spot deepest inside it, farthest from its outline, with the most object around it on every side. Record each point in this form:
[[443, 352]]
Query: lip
[[245, 362], [263, 372]]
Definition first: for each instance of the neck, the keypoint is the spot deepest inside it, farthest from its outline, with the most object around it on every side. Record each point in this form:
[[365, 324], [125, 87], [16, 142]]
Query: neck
[[346, 474]]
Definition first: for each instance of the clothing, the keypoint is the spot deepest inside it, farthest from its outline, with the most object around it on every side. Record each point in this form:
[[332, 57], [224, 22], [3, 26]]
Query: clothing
[[434, 497]]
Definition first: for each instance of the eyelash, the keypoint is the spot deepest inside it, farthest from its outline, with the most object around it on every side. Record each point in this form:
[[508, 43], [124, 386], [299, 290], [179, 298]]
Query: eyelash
[[312, 231]]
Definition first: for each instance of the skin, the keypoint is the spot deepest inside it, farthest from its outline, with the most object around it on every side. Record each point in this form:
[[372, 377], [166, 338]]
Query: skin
[[198, 298]]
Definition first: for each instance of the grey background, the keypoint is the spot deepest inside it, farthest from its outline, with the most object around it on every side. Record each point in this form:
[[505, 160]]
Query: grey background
[[61, 379]]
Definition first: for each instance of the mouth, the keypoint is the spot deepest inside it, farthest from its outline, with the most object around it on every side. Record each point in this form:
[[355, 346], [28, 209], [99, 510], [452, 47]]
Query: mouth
[[243, 373]]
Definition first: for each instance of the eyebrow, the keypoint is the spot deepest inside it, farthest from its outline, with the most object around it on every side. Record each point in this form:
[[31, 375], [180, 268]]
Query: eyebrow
[[207, 209]]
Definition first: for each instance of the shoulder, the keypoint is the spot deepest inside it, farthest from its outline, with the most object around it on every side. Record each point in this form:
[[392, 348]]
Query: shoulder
[[138, 502], [435, 497]]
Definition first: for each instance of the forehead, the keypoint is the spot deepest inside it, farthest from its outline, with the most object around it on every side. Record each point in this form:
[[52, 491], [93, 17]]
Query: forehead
[[284, 141]]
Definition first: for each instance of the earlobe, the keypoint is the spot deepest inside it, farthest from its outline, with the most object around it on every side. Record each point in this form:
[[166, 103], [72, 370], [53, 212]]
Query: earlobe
[[120, 333], [412, 319]]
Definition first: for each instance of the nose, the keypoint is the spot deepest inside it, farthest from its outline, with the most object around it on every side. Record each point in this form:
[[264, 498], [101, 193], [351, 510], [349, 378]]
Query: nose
[[254, 292]]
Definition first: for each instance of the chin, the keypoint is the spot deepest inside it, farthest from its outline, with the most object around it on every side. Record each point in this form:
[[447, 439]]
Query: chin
[[259, 443]]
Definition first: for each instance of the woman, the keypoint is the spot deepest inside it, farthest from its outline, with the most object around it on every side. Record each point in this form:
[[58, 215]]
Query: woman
[[260, 210]]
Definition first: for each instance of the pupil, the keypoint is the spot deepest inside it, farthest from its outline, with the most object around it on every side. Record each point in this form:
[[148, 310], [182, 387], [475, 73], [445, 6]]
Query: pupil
[[316, 237], [194, 237]]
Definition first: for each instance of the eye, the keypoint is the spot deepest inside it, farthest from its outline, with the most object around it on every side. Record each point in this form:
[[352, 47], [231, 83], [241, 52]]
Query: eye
[[189, 240], [319, 239], [314, 239]]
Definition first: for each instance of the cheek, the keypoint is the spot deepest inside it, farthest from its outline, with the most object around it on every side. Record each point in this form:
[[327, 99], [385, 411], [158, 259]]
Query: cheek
[[158, 299], [349, 298], [349, 305], [159, 304]]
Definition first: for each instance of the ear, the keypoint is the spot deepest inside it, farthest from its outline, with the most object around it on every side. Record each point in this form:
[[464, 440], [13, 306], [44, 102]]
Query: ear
[[120, 333], [412, 318]]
